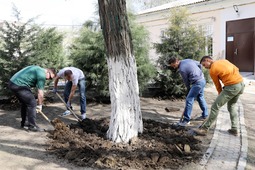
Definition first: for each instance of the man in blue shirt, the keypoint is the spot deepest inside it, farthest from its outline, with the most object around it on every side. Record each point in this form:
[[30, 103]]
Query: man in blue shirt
[[192, 75]]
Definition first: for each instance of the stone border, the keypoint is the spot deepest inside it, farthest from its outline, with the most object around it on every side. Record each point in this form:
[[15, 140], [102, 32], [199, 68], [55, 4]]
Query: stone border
[[244, 141], [211, 148], [242, 159]]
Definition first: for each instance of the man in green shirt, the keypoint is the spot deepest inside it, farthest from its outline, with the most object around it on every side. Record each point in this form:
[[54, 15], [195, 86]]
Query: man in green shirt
[[20, 84]]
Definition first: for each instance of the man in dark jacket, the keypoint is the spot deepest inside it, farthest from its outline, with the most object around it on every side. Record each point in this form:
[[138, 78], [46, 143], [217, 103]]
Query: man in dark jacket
[[194, 80]]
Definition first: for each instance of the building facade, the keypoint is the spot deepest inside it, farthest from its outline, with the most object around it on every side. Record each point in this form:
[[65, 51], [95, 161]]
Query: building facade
[[230, 23]]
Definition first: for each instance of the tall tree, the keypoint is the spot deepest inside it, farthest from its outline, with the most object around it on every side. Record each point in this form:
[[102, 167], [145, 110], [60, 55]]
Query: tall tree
[[126, 117], [89, 54], [181, 39], [48, 49], [17, 43], [23, 44]]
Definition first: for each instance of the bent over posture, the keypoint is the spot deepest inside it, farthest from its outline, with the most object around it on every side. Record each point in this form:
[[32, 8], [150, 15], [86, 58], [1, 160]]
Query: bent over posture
[[194, 80], [227, 73], [74, 77], [20, 84]]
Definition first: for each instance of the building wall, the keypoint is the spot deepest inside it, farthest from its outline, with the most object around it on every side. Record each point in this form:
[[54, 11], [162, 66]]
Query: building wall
[[245, 11], [213, 14]]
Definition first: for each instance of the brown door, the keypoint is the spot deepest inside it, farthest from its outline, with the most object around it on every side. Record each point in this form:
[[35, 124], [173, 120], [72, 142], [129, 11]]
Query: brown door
[[240, 44]]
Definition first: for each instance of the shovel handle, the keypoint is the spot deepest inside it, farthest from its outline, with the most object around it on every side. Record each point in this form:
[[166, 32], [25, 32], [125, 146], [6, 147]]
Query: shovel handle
[[202, 123], [181, 119], [45, 117], [68, 107]]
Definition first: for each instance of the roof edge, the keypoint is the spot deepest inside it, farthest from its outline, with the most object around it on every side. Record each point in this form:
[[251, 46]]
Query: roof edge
[[171, 5]]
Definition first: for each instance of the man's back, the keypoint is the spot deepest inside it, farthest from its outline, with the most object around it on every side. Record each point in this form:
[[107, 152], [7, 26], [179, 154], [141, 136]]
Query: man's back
[[191, 71], [77, 74], [227, 72], [30, 76]]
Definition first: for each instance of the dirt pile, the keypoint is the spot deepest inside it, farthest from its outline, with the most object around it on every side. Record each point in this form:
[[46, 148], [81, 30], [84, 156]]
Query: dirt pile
[[158, 147]]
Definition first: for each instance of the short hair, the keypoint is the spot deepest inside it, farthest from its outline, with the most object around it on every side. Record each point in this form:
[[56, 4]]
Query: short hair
[[53, 70], [68, 73], [172, 60], [204, 58]]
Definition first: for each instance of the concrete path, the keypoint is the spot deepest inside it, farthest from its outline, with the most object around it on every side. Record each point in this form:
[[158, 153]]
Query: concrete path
[[227, 152], [248, 101]]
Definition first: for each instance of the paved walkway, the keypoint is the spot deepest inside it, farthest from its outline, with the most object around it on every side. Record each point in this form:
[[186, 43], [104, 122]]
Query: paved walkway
[[249, 78], [227, 152]]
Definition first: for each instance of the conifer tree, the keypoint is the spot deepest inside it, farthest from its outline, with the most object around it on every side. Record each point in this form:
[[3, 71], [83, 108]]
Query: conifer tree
[[181, 39]]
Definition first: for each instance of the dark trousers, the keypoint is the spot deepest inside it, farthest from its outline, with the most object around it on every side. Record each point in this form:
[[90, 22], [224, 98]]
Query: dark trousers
[[28, 103]]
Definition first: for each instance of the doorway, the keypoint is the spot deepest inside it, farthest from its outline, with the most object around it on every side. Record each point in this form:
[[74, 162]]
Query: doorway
[[240, 43]]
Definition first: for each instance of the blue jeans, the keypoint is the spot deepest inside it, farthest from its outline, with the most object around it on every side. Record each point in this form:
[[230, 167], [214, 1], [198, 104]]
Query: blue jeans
[[196, 92], [82, 87]]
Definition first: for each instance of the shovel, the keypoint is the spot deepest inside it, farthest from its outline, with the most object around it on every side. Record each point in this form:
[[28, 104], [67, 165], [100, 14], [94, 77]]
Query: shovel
[[79, 120], [176, 125], [45, 117], [192, 132]]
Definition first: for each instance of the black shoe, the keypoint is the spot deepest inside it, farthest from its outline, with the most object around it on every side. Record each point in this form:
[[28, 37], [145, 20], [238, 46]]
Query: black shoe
[[35, 128], [200, 118], [233, 132]]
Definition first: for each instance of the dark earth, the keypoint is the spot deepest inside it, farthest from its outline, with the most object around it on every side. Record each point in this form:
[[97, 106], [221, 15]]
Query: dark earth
[[84, 144]]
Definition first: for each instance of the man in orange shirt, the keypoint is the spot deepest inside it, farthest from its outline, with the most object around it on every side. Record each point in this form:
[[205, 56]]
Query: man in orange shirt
[[228, 74]]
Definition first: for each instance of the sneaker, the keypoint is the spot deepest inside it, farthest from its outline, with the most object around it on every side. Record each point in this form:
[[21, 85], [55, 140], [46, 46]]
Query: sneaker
[[66, 113], [35, 128], [184, 123], [200, 118], [83, 116], [25, 125], [201, 131], [233, 132]]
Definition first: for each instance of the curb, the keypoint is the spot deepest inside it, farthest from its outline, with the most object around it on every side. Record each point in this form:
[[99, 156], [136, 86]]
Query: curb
[[243, 137], [211, 148]]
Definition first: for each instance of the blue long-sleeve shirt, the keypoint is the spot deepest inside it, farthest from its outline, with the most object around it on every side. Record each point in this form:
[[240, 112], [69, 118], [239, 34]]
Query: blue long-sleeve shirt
[[191, 72]]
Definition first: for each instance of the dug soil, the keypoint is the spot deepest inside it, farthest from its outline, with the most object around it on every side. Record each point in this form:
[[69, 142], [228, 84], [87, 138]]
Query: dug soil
[[84, 144], [72, 146]]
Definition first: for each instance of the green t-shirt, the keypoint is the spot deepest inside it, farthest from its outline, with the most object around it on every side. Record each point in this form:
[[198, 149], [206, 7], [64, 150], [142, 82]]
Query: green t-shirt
[[31, 76]]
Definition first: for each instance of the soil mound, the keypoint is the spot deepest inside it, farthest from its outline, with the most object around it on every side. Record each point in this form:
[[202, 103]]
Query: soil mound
[[84, 144]]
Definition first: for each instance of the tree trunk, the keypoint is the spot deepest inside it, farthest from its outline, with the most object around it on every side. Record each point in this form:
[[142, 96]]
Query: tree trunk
[[126, 117]]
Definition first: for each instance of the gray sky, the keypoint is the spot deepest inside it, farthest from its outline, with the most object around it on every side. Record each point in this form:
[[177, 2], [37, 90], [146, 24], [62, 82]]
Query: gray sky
[[51, 12]]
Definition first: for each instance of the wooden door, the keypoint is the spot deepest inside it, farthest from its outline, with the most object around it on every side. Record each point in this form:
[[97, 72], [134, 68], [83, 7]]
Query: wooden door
[[240, 44]]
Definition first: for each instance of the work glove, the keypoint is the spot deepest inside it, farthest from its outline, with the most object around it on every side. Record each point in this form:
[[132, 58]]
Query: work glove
[[68, 104], [54, 90], [39, 108]]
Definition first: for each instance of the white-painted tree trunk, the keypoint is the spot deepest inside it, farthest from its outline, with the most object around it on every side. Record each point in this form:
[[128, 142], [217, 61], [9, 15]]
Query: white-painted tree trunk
[[126, 118]]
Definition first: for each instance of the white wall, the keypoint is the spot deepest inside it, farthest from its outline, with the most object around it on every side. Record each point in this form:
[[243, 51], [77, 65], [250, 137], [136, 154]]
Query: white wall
[[216, 13]]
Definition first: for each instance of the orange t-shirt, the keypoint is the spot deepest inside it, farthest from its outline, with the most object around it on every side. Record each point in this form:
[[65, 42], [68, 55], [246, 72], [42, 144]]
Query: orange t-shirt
[[226, 72]]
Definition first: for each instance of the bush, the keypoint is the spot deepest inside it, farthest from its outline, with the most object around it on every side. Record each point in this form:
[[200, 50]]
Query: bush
[[24, 44], [181, 39], [89, 54]]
